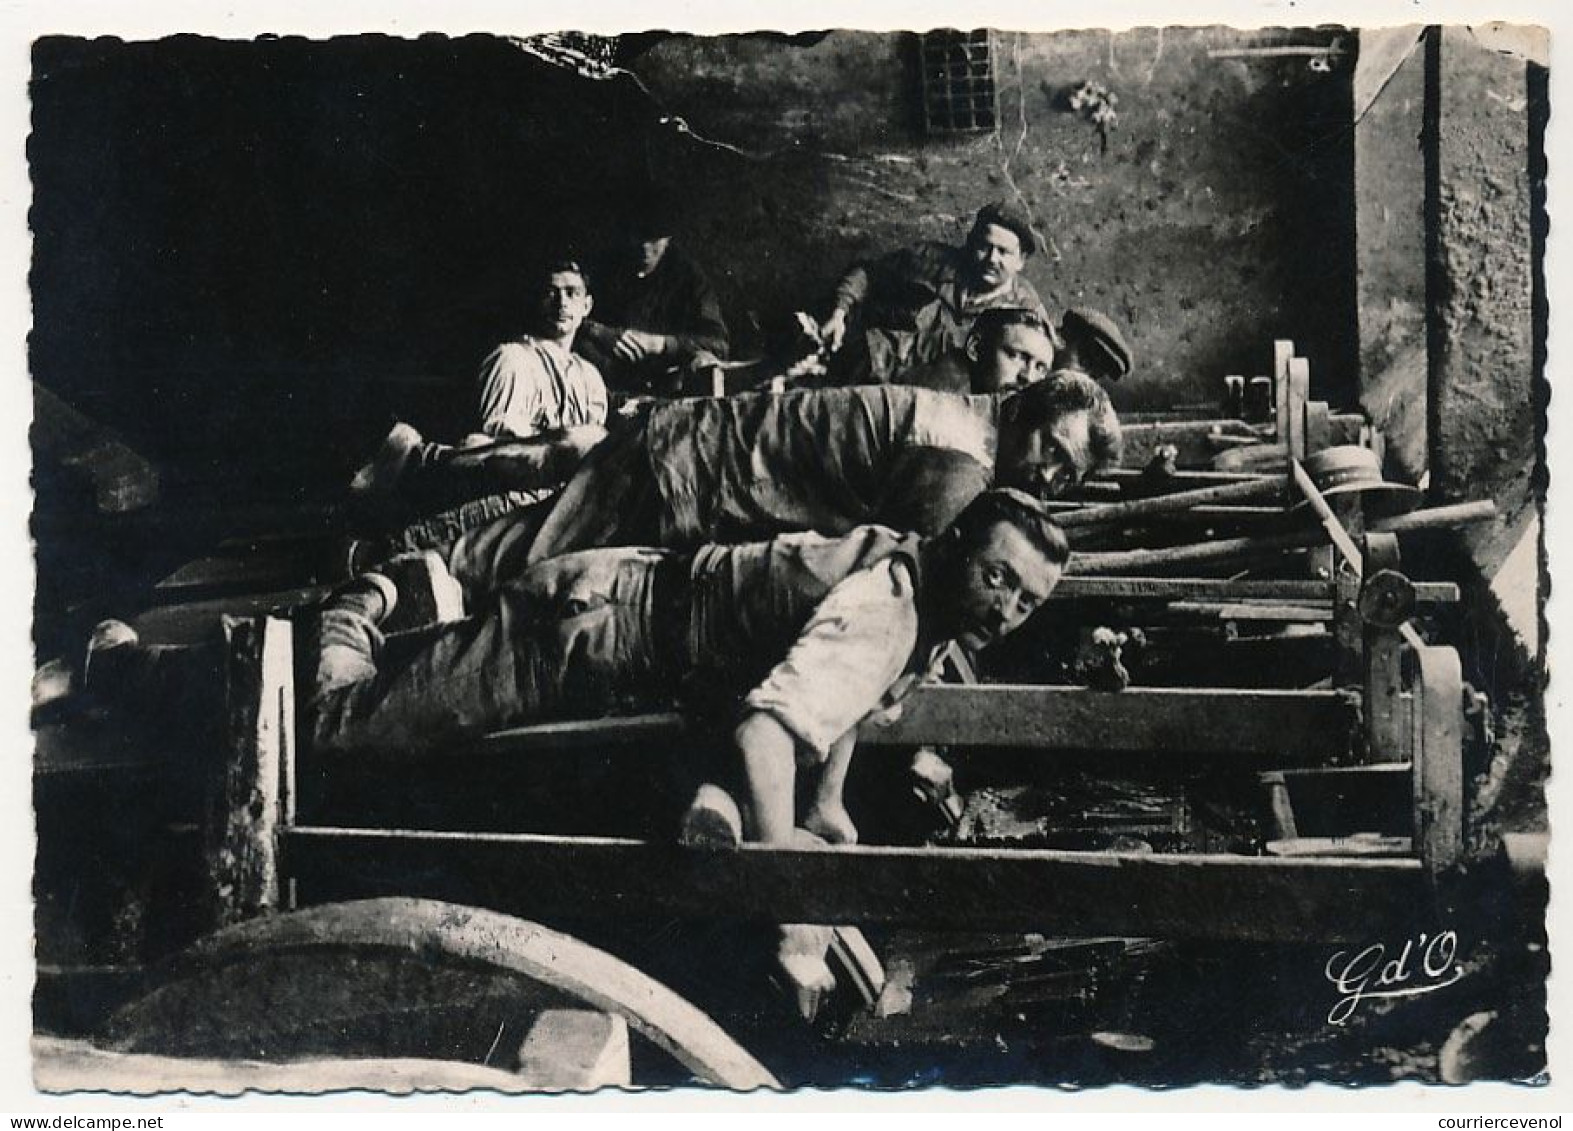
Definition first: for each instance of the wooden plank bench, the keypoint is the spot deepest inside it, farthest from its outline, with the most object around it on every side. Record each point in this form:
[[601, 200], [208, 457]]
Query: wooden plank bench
[[270, 849]]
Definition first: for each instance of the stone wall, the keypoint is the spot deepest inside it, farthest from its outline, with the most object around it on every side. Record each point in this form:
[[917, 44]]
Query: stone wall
[[1390, 201], [1483, 285]]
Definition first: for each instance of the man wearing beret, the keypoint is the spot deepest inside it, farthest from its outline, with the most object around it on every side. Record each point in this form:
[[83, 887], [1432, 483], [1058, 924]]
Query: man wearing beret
[[912, 306]]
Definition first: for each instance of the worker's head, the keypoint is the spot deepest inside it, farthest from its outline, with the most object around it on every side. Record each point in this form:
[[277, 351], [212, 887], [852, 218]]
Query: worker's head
[[1093, 344], [998, 245], [561, 300], [1054, 434], [998, 561], [1008, 348], [647, 229]]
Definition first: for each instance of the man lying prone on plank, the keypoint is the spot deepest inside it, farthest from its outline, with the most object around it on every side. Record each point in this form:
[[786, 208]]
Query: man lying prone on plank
[[810, 634], [743, 468]]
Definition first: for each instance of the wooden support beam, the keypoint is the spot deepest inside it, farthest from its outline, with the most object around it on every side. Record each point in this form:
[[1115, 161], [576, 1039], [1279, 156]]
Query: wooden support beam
[[1183, 479], [1299, 397], [1386, 710], [1318, 426], [1385, 704], [1439, 757], [1065, 893], [588, 734], [1283, 353], [1198, 441], [1252, 611], [1348, 627], [1230, 549], [1437, 518], [120, 479], [1279, 805], [1263, 487], [1209, 589], [246, 796], [1291, 726]]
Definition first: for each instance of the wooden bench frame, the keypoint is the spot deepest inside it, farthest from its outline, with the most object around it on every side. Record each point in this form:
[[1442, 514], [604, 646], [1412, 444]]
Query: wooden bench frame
[[1404, 713], [1397, 704]]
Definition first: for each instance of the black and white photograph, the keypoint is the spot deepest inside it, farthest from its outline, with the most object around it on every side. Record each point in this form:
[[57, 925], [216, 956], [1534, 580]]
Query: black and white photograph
[[464, 465]]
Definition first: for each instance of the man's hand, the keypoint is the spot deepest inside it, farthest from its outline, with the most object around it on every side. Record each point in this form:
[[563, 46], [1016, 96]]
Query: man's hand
[[636, 345], [833, 330]]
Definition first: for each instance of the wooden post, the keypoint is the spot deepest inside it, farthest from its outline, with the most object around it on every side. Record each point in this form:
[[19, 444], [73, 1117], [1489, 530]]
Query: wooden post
[[1318, 426], [1086, 563], [1283, 351], [1299, 397], [1348, 628], [250, 784], [1263, 487], [1439, 758], [1385, 707], [1279, 805], [119, 478]]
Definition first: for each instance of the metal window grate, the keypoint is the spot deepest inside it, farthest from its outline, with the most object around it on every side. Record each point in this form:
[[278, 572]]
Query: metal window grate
[[958, 81]]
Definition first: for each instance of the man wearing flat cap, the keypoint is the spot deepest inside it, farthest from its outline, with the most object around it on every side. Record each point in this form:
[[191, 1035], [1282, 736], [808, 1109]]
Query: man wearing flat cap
[[1091, 344], [911, 307]]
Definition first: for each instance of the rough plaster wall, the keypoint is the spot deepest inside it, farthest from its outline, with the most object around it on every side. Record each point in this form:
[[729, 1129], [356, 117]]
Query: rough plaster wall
[[1217, 218], [1390, 227], [306, 239], [1484, 416]]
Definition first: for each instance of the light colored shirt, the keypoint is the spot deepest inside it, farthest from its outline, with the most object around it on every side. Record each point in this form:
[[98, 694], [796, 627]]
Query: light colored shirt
[[849, 655], [531, 386]]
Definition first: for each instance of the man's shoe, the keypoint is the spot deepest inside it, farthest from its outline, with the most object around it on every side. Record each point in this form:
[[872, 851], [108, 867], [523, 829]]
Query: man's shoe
[[53, 684], [855, 966], [712, 820], [109, 649], [381, 474]]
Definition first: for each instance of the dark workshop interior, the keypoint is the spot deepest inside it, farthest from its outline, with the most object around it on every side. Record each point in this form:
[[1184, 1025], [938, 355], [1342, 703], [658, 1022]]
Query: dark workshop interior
[[251, 258]]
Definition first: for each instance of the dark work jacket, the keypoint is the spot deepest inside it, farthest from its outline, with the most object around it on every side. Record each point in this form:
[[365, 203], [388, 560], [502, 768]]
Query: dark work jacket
[[674, 299], [739, 469]]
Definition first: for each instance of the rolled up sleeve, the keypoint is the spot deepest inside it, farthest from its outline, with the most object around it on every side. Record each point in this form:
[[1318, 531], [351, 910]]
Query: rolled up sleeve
[[854, 647], [505, 399]]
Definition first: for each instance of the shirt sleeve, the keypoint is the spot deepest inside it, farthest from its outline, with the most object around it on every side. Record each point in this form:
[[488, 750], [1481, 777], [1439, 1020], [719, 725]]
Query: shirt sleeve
[[505, 400], [891, 276], [854, 647], [595, 399], [597, 334], [929, 487], [853, 288]]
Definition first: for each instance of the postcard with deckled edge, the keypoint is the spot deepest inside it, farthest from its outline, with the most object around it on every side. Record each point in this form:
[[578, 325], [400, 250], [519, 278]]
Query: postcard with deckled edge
[[950, 558]]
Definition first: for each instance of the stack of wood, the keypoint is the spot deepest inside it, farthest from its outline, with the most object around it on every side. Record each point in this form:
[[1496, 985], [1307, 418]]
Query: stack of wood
[[1212, 522]]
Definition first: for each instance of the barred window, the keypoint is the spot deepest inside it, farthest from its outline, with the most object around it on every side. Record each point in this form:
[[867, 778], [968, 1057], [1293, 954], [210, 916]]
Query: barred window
[[958, 81]]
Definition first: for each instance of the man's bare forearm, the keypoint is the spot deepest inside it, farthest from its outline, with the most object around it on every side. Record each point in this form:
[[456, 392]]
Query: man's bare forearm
[[769, 755]]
